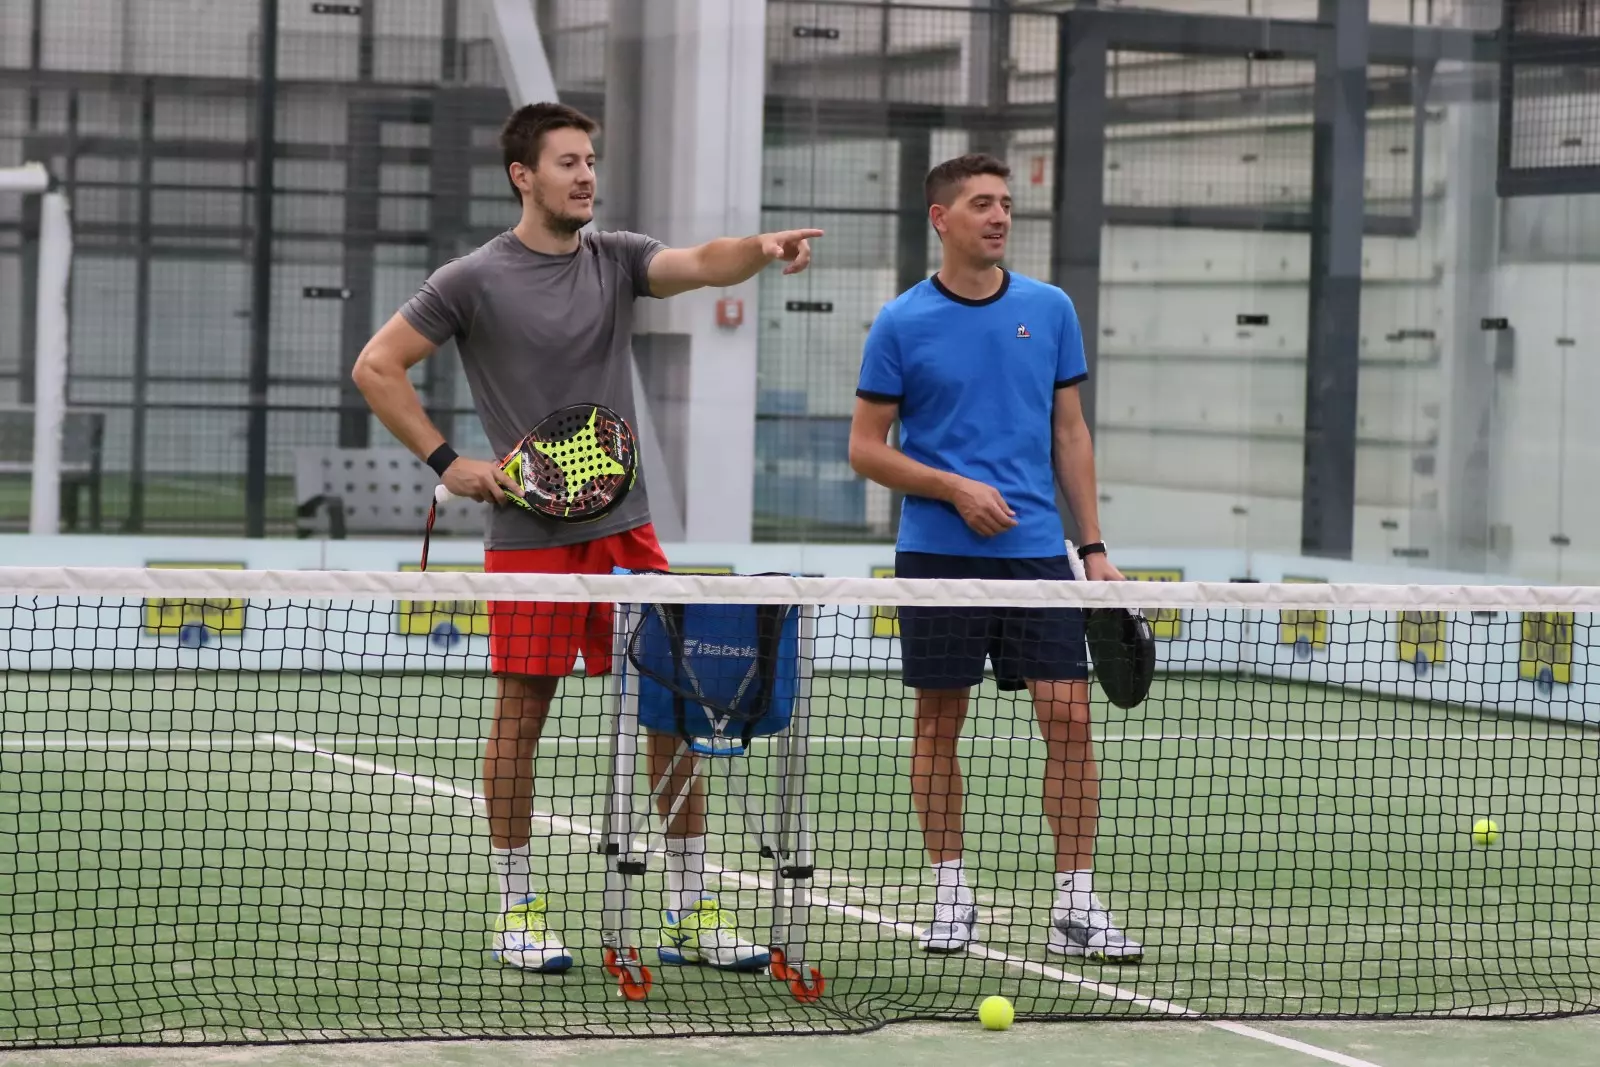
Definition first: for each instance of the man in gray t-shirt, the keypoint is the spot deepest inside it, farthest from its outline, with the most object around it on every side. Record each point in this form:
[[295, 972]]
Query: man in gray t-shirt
[[538, 332], [543, 318]]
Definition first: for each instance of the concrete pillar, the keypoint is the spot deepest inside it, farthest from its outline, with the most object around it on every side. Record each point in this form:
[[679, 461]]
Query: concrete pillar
[[1468, 252], [694, 173]]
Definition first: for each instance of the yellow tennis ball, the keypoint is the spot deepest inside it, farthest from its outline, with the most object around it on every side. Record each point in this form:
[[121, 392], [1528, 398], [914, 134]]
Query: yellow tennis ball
[[1485, 832], [996, 1013]]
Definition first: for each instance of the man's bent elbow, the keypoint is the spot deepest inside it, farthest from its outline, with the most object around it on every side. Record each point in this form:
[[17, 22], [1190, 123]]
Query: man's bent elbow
[[368, 369], [859, 454]]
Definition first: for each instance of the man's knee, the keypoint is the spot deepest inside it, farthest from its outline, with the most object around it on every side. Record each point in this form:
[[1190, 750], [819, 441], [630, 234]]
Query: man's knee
[[525, 696], [940, 713], [1063, 709]]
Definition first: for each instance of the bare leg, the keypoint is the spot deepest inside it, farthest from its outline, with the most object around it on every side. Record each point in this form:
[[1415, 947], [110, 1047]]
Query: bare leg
[[685, 833], [936, 785], [1071, 776], [519, 714], [691, 820]]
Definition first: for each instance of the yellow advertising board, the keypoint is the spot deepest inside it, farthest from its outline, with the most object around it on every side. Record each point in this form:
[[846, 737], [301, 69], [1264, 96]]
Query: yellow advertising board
[[1166, 624], [421, 618], [1546, 646], [193, 618], [1301, 627]]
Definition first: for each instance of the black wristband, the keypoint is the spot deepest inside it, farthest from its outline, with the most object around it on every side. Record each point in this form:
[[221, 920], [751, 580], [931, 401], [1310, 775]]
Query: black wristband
[[1090, 549], [441, 459]]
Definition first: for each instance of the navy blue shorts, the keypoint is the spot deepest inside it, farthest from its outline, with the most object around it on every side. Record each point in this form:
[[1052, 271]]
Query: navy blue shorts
[[945, 648]]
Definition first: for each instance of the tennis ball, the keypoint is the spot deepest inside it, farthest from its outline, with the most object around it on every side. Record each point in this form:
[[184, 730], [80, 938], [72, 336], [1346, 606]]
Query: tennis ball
[[1485, 832], [996, 1013]]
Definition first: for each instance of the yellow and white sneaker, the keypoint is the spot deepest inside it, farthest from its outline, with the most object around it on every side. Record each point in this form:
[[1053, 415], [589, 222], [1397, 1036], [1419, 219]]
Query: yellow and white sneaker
[[521, 940], [708, 934]]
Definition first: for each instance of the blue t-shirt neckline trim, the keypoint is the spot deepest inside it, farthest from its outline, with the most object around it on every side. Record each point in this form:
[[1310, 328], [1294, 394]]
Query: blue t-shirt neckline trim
[[1005, 283]]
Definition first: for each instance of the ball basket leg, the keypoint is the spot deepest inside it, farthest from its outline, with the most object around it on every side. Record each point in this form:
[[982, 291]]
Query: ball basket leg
[[618, 935], [790, 847]]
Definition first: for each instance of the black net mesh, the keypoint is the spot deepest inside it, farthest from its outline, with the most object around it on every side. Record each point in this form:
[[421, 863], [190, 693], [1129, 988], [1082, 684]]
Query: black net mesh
[[265, 812]]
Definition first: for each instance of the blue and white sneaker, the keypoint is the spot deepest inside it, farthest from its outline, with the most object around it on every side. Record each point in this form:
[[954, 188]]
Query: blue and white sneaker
[[954, 928], [521, 939], [708, 934]]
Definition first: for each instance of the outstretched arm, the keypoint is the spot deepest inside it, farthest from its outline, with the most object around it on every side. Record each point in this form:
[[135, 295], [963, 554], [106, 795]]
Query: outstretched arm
[[727, 261]]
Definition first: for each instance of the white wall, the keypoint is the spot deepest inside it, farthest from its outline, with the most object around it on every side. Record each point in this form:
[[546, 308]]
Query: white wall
[[1173, 362], [1199, 436]]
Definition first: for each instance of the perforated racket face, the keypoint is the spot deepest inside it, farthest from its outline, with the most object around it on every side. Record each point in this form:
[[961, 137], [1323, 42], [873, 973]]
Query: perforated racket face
[[577, 465]]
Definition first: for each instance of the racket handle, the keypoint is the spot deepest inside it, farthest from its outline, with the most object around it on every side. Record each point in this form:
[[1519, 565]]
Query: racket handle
[[1078, 571], [441, 494]]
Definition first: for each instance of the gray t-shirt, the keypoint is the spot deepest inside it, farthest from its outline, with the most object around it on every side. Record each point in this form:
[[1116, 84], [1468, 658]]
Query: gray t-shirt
[[538, 332]]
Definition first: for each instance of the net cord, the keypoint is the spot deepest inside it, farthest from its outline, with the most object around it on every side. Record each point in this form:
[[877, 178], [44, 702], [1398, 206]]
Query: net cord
[[378, 586]]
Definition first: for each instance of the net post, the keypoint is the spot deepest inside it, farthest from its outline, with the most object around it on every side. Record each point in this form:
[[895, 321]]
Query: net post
[[50, 363], [51, 340]]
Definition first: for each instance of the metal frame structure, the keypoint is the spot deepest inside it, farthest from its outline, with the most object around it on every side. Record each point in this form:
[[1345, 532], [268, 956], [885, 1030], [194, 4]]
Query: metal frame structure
[[1341, 43], [785, 835], [1524, 51]]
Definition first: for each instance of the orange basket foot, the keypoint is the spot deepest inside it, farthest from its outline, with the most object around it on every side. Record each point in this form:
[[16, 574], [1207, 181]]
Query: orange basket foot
[[806, 991], [633, 977]]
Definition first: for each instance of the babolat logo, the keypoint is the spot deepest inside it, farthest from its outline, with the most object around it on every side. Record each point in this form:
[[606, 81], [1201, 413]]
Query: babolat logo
[[696, 647]]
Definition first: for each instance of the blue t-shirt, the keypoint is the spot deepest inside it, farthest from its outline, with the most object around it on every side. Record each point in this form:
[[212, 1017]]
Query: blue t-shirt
[[976, 384]]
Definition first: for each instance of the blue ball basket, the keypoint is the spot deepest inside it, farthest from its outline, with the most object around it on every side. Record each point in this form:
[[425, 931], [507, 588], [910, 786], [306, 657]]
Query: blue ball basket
[[717, 674]]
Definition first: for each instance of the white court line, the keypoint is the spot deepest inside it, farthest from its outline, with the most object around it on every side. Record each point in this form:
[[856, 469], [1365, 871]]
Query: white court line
[[900, 929], [1291, 1044], [246, 743]]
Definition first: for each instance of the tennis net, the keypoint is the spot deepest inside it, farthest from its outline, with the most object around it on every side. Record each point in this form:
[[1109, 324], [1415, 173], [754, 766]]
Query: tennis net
[[252, 806]]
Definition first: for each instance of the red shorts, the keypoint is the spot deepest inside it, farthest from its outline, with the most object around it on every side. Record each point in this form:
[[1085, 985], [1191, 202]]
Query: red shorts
[[543, 640]]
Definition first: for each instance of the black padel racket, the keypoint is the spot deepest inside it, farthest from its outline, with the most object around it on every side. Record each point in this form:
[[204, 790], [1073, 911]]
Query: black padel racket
[[1122, 646], [577, 465]]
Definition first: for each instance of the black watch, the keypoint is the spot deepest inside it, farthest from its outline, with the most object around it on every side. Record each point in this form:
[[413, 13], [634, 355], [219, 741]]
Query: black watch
[[1093, 547]]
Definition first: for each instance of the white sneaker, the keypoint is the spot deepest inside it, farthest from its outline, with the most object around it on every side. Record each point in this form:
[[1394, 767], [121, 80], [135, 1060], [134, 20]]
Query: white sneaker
[[521, 940], [708, 934], [954, 927], [1092, 935]]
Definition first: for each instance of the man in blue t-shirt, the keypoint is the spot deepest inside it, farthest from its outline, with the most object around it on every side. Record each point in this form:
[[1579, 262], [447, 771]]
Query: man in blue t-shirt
[[982, 366]]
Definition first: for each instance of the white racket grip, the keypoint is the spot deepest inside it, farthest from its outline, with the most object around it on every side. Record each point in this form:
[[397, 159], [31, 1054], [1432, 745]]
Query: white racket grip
[[1072, 557], [441, 494]]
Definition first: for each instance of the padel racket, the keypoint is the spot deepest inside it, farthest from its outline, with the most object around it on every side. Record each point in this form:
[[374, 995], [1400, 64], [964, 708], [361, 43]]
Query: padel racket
[[577, 465], [1122, 646]]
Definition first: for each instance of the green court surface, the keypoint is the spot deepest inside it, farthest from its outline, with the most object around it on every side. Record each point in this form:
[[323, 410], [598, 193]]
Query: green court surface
[[220, 856], [1435, 1043]]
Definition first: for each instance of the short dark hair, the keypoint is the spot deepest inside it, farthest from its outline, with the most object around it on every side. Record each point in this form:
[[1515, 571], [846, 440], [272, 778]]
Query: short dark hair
[[947, 177], [522, 137]]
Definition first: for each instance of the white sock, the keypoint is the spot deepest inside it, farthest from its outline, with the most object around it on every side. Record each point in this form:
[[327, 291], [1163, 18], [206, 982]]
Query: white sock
[[511, 864], [950, 883], [686, 872], [1075, 891]]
